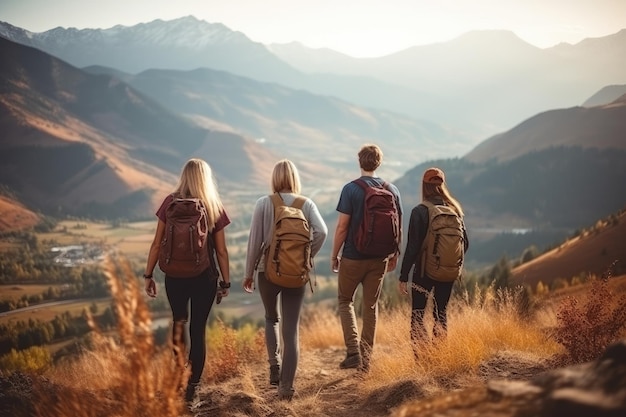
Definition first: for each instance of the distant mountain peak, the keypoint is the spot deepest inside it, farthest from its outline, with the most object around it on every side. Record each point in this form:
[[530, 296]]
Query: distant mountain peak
[[186, 31], [492, 36]]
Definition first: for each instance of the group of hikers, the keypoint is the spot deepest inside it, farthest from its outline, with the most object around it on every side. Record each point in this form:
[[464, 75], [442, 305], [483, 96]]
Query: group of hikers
[[366, 244]]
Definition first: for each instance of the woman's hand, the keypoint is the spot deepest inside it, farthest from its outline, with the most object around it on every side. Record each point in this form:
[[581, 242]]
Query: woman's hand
[[150, 285], [403, 287], [248, 285]]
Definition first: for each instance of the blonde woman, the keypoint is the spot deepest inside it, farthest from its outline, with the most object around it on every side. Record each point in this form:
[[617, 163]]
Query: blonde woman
[[196, 181], [284, 361], [435, 191]]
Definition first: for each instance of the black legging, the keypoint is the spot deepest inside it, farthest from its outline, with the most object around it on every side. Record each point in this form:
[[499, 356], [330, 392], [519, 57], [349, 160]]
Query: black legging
[[201, 292], [420, 291]]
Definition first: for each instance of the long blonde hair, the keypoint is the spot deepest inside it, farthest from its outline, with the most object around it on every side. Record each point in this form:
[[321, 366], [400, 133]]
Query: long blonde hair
[[196, 181], [430, 190], [285, 177]]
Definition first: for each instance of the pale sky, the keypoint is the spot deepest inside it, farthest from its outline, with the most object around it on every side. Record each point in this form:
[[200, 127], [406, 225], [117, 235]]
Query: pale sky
[[361, 28]]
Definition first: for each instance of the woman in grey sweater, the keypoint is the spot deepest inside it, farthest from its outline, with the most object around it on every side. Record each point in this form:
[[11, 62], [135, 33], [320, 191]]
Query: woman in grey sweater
[[285, 182]]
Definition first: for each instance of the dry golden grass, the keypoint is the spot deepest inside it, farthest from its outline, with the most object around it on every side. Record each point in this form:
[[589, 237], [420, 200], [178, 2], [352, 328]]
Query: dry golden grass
[[320, 328], [477, 331]]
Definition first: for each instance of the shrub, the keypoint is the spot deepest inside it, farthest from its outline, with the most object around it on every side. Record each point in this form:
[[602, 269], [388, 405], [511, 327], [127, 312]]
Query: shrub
[[587, 328], [35, 358], [229, 350]]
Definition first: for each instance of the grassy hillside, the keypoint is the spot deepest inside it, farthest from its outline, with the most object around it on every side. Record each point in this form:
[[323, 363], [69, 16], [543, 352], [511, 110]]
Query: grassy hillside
[[545, 195], [14, 216], [597, 250]]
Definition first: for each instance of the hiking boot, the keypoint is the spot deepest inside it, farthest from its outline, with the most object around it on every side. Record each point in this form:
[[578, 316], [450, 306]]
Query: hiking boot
[[366, 354], [352, 360], [274, 375], [190, 392], [286, 395], [364, 367]]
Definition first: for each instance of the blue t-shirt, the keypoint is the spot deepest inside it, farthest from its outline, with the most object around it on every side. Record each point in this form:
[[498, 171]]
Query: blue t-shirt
[[351, 202]]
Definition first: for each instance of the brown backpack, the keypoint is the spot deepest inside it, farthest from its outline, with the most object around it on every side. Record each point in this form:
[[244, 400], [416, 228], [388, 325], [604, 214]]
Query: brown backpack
[[288, 256], [443, 250], [184, 250]]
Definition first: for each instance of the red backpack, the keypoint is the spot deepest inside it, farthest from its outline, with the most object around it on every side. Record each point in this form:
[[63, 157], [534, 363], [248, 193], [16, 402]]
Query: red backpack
[[184, 250], [379, 231]]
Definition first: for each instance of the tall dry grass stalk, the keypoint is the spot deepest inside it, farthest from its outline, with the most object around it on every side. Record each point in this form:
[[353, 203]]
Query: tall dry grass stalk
[[122, 375]]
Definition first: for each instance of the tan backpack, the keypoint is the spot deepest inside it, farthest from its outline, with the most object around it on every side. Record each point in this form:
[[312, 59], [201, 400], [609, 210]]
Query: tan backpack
[[443, 250], [288, 256]]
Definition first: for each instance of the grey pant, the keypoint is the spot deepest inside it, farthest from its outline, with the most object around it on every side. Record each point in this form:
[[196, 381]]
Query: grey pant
[[291, 300]]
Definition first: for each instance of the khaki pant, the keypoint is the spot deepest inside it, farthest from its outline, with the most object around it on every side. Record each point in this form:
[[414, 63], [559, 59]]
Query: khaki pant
[[370, 274]]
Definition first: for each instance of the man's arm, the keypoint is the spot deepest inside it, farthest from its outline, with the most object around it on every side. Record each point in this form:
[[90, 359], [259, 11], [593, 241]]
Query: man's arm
[[341, 231]]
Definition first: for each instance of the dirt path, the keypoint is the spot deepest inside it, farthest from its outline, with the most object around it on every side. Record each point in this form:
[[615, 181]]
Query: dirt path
[[322, 389]]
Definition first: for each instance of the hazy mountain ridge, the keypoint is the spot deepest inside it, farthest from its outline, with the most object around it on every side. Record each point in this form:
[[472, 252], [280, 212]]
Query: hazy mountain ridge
[[595, 127], [471, 72], [606, 95], [451, 83], [78, 141], [185, 43], [295, 123], [137, 48]]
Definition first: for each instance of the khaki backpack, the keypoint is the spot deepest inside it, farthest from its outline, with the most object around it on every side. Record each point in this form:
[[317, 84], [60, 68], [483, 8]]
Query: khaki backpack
[[288, 256], [443, 250]]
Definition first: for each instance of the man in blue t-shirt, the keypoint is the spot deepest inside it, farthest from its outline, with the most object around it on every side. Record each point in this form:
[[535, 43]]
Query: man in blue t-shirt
[[356, 268]]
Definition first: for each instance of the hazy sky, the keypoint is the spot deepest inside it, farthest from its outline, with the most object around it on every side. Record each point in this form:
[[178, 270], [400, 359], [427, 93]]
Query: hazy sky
[[356, 27]]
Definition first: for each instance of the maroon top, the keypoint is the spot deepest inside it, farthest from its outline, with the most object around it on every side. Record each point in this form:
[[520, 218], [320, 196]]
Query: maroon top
[[221, 222]]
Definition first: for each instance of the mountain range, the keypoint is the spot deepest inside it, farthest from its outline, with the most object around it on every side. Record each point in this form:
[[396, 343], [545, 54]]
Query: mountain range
[[100, 141], [454, 83]]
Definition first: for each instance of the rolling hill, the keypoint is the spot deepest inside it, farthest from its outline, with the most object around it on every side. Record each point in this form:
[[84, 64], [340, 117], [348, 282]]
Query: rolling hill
[[600, 127], [294, 123], [14, 216], [593, 251], [537, 183]]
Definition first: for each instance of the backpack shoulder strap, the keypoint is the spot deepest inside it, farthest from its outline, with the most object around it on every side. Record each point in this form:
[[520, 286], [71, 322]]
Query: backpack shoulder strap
[[276, 200], [428, 204], [360, 183], [298, 202]]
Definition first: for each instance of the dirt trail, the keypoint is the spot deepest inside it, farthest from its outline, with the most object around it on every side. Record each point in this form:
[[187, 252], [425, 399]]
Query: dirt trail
[[322, 389]]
